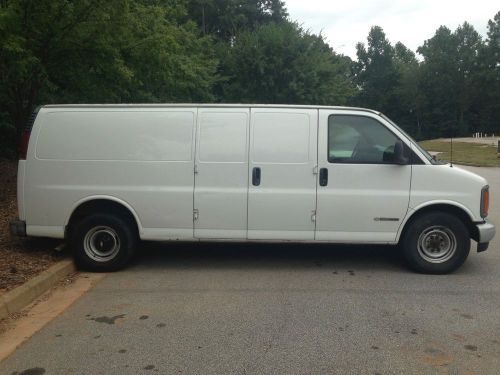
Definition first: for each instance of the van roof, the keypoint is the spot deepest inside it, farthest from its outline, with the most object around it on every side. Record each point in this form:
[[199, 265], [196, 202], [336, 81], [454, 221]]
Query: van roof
[[209, 105]]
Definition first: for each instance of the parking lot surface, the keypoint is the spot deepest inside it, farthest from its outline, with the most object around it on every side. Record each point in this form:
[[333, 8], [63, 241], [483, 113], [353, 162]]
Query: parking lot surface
[[278, 309]]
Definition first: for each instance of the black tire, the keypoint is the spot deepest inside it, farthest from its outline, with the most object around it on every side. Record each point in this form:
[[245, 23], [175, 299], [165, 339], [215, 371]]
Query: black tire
[[429, 241], [103, 242]]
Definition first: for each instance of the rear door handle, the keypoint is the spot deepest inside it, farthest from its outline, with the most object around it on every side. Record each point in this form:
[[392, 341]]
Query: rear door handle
[[323, 177], [256, 176]]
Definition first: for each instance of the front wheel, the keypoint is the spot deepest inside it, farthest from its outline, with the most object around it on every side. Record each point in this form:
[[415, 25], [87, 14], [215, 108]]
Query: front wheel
[[103, 242], [436, 243]]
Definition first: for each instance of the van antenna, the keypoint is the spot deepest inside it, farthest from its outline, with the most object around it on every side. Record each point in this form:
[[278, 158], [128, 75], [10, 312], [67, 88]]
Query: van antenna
[[451, 149]]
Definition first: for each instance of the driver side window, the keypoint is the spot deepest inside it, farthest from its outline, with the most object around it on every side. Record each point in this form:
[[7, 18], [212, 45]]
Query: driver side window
[[359, 140]]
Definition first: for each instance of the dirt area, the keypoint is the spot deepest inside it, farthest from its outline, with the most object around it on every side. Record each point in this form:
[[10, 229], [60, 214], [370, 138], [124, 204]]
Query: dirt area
[[20, 258]]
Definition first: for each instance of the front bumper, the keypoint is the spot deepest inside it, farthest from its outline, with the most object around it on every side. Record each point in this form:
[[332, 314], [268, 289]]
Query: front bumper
[[18, 228], [485, 231]]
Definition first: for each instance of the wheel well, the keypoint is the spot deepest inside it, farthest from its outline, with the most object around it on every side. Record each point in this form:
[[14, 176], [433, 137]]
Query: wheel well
[[448, 208], [100, 206]]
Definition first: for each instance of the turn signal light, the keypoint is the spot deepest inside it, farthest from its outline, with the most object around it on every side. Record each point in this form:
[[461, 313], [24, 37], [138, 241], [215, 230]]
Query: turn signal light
[[485, 201]]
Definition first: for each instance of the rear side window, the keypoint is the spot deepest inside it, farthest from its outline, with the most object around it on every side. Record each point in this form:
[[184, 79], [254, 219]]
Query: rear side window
[[359, 140]]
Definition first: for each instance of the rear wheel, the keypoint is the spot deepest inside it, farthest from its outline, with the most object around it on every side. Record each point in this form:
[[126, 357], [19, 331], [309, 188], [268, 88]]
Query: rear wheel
[[103, 242], [436, 243]]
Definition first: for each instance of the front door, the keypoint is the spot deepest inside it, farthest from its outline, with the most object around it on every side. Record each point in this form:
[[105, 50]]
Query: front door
[[282, 183], [362, 195]]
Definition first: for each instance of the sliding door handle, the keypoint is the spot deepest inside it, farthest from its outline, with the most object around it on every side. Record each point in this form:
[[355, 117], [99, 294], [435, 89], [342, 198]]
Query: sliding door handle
[[256, 176], [323, 177]]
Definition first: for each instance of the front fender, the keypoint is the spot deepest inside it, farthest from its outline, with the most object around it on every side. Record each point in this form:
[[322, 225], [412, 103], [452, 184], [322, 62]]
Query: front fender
[[425, 205]]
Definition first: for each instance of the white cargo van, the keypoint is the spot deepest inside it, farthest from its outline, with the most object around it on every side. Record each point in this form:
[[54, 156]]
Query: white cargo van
[[106, 176]]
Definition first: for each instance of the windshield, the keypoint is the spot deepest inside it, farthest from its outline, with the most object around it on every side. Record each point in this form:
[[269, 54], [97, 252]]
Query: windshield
[[420, 148]]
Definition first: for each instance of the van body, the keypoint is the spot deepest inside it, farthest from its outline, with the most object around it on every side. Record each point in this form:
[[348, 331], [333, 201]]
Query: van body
[[106, 176]]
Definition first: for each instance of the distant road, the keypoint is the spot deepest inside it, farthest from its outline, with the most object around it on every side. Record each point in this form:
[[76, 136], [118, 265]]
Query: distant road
[[487, 141]]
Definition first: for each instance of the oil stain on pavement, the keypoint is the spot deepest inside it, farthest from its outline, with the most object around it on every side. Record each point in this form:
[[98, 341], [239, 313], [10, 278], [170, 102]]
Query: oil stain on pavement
[[107, 319], [31, 371]]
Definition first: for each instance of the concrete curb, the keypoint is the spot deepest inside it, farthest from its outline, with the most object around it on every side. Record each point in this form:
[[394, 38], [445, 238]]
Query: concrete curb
[[23, 295]]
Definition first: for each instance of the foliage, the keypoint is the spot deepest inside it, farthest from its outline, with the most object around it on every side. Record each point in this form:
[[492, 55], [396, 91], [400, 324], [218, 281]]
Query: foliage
[[487, 103], [225, 19], [408, 96], [93, 51], [449, 79], [375, 72], [453, 91], [282, 63]]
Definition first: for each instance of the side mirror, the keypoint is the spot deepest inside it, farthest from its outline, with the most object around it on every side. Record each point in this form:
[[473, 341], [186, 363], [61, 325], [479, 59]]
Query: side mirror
[[399, 153]]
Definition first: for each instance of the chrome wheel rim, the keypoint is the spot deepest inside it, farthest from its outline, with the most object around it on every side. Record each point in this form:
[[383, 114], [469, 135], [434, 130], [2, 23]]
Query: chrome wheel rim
[[101, 244], [437, 244]]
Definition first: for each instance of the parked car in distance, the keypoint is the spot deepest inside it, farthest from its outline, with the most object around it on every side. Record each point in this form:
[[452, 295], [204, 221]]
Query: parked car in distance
[[106, 176]]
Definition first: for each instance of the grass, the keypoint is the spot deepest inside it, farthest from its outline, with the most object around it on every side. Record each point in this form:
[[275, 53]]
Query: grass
[[467, 153]]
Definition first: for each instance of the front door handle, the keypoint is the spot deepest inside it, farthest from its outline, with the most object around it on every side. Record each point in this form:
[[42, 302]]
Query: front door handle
[[256, 176], [323, 177]]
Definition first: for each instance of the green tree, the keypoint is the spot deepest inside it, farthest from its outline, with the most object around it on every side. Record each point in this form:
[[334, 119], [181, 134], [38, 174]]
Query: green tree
[[375, 73], [170, 62], [282, 63], [93, 51], [224, 19], [449, 80], [408, 97], [487, 104]]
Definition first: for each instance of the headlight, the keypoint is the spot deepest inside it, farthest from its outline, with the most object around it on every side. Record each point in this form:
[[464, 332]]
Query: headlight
[[485, 201]]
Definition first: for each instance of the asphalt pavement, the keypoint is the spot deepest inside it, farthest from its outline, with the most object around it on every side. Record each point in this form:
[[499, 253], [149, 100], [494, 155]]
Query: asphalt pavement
[[278, 309]]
